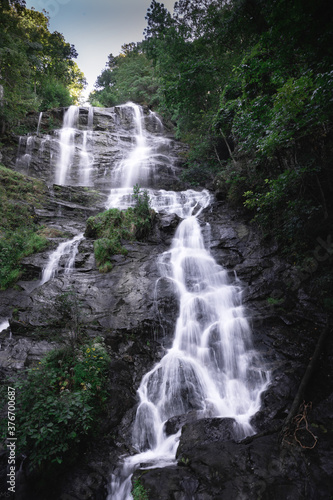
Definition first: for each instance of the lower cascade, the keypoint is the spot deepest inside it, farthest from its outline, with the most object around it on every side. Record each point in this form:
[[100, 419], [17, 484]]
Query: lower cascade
[[211, 368]]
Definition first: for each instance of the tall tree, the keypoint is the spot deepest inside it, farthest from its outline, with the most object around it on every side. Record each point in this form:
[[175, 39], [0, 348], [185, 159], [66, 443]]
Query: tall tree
[[37, 69], [127, 77]]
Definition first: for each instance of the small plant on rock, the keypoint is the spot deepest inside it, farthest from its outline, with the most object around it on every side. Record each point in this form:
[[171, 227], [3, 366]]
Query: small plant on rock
[[112, 227]]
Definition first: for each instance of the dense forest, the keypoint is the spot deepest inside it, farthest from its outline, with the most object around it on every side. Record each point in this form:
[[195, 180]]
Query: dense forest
[[37, 67], [249, 85]]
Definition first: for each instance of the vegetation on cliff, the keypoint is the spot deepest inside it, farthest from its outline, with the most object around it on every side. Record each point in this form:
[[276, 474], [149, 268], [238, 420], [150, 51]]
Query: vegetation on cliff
[[19, 227], [111, 227], [59, 400], [249, 85]]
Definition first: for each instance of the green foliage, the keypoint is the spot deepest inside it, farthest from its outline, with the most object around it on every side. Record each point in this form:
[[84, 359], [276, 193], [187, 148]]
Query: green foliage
[[138, 491], [201, 161], [18, 228], [277, 206], [58, 402], [109, 228], [37, 70], [68, 309], [14, 246], [245, 77], [127, 77], [142, 212], [54, 94]]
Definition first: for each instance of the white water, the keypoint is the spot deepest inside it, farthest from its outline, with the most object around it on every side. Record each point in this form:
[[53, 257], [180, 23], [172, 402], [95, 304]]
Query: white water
[[24, 159], [4, 324], [211, 367], [133, 168], [66, 248], [67, 145], [39, 121], [86, 154]]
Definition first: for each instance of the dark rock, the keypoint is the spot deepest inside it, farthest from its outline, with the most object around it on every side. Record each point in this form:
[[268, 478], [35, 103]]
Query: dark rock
[[175, 423], [205, 431]]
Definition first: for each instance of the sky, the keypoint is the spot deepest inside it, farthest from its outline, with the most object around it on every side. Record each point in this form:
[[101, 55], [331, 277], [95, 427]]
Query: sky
[[97, 28]]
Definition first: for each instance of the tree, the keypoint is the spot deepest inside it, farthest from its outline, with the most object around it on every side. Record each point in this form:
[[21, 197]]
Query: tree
[[127, 77], [37, 70]]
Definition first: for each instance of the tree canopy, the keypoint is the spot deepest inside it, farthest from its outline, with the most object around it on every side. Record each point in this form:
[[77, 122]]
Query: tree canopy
[[130, 76], [37, 67], [249, 84]]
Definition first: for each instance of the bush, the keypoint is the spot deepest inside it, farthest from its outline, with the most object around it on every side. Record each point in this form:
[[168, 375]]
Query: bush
[[13, 248], [58, 402], [278, 209], [109, 228], [138, 491], [55, 95], [18, 229], [142, 212]]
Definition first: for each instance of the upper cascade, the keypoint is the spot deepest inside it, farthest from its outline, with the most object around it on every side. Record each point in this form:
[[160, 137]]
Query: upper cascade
[[102, 148]]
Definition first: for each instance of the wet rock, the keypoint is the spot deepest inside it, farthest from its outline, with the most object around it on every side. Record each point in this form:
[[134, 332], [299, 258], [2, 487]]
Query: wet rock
[[204, 431], [173, 425], [18, 353], [113, 128], [135, 308]]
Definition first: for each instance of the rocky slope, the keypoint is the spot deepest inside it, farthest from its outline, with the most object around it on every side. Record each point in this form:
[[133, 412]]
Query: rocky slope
[[135, 312]]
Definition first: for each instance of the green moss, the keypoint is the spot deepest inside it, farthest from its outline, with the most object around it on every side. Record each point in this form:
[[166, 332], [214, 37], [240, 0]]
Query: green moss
[[111, 227], [18, 223]]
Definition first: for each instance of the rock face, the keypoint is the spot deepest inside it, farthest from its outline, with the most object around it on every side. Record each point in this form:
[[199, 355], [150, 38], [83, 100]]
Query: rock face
[[99, 145], [135, 310]]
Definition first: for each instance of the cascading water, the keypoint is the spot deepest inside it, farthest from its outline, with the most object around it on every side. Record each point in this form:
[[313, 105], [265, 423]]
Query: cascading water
[[211, 368], [39, 121], [86, 155], [4, 324], [24, 159], [67, 146], [133, 168], [68, 248]]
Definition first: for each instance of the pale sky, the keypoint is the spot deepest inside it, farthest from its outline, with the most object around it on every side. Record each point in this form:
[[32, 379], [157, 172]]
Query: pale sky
[[97, 27]]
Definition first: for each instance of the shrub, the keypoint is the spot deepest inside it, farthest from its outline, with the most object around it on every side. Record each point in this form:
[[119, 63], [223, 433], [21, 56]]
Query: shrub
[[14, 246], [58, 402], [18, 228], [109, 228], [138, 491]]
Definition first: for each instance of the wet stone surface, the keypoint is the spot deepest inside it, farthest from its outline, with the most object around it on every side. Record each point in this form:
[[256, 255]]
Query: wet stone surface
[[135, 310]]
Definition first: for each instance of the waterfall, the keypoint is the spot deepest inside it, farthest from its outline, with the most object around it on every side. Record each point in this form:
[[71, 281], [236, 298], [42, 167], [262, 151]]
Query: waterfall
[[211, 368], [66, 248], [39, 121], [4, 324], [86, 155], [24, 159], [133, 168], [67, 145]]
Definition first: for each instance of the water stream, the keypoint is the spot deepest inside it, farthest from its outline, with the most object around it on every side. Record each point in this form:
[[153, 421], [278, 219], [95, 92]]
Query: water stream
[[66, 248], [211, 368], [67, 144], [86, 154]]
